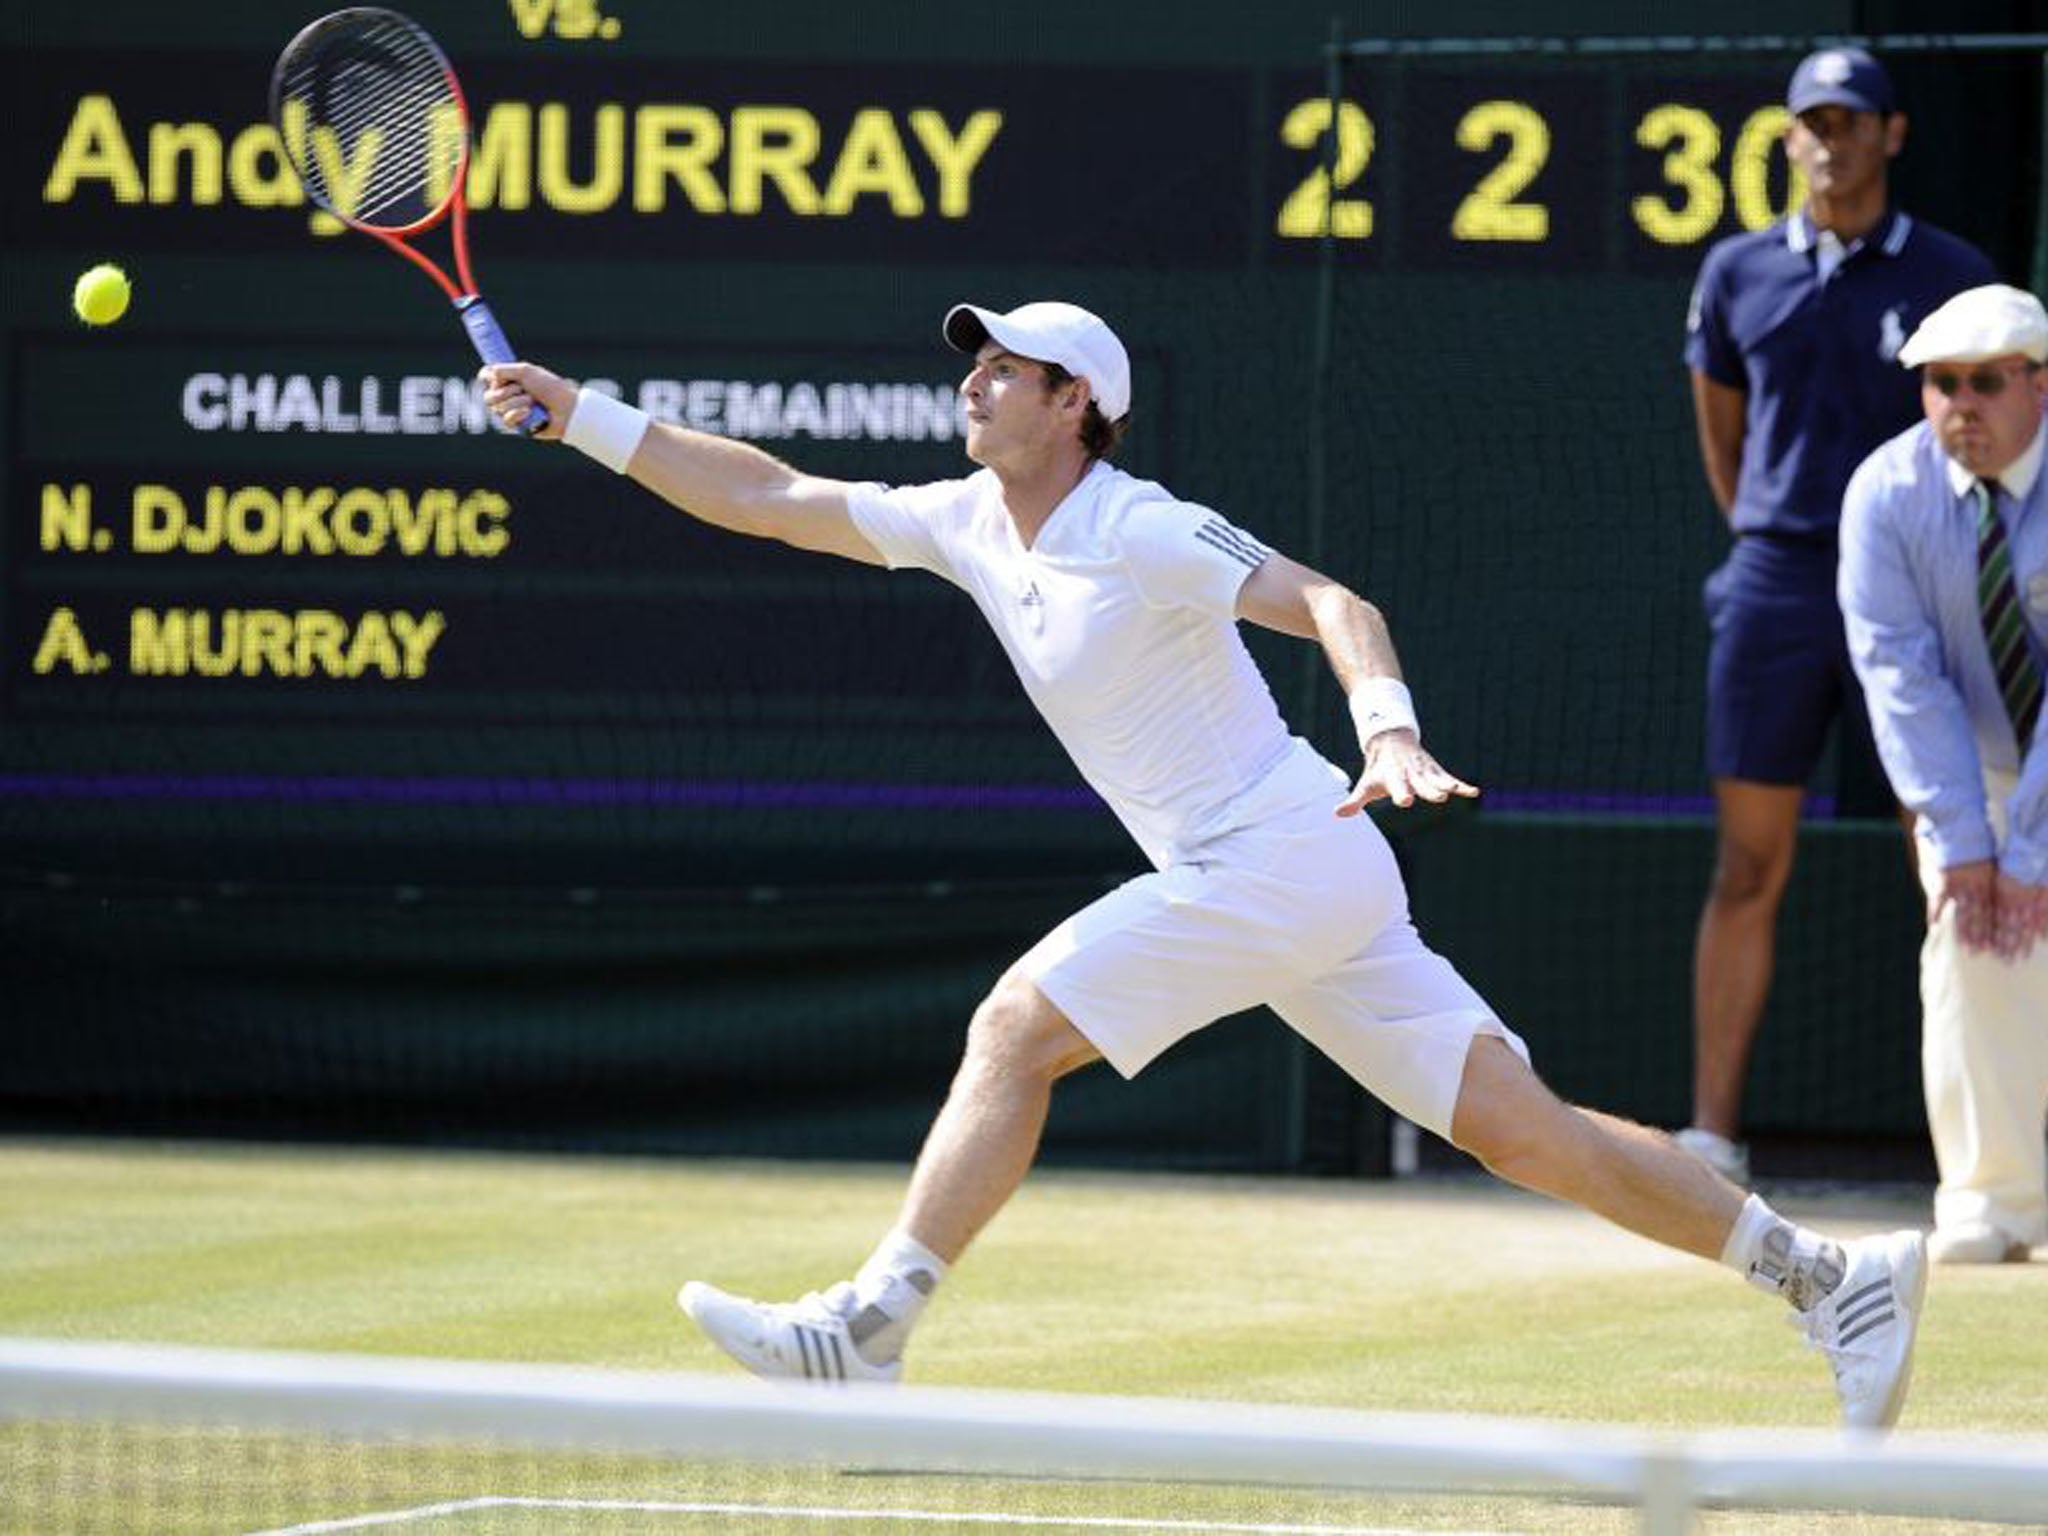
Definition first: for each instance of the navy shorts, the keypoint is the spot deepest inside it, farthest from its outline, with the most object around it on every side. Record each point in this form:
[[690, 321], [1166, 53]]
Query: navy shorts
[[1778, 673]]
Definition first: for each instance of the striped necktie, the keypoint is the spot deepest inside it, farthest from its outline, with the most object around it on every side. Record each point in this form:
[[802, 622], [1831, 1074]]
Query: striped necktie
[[2005, 625]]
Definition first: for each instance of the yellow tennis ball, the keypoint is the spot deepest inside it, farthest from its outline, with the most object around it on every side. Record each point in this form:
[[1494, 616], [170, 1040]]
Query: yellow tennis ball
[[101, 295]]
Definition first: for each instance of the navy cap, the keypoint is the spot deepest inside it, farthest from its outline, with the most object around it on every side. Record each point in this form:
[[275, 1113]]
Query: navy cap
[[1840, 77]]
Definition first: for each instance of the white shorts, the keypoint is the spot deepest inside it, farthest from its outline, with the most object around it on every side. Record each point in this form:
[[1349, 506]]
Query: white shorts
[[1305, 913]]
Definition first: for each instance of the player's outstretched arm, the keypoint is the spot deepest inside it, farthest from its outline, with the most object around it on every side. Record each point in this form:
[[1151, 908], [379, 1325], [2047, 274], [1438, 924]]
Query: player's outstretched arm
[[716, 480], [1286, 596]]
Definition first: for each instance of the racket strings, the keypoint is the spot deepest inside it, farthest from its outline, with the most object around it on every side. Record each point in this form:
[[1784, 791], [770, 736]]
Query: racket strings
[[416, 151], [409, 163], [377, 131]]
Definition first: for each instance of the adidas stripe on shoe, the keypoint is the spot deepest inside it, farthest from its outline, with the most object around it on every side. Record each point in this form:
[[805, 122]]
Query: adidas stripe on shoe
[[1867, 1325], [805, 1340]]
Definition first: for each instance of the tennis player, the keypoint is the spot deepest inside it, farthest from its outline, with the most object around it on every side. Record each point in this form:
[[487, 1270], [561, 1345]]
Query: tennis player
[[1118, 605]]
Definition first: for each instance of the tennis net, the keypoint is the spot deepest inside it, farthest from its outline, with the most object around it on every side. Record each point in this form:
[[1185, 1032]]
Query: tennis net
[[123, 1438]]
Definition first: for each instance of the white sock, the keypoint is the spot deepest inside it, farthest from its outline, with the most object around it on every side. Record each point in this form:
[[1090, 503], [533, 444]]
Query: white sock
[[1774, 1255], [889, 1293]]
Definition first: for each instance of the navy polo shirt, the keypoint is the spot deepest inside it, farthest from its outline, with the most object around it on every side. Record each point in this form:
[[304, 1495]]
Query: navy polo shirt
[[1818, 358]]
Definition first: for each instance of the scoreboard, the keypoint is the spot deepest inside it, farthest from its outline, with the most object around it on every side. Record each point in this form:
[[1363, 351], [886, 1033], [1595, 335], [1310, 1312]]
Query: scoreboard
[[276, 595], [1433, 164]]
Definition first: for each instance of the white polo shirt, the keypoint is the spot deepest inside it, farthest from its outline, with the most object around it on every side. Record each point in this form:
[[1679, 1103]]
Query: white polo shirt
[[1121, 623]]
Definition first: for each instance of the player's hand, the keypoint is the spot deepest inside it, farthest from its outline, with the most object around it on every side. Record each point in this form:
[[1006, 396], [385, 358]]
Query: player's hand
[[2019, 917], [1972, 889], [1398, 769], [513, 389]]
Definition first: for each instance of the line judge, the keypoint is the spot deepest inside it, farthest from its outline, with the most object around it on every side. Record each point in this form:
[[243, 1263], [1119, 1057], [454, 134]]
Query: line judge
[[1944, 588]]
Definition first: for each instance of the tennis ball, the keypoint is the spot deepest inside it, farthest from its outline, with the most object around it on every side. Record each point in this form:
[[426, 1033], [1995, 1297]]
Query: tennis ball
[[101, 295]]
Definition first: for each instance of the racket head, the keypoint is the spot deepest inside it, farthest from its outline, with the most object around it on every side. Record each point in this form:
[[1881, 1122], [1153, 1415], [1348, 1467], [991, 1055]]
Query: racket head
[[373, 120]]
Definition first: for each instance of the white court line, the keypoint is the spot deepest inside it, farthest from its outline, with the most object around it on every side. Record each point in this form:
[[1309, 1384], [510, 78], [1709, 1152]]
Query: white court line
[[802, 1512], [388, 1517]]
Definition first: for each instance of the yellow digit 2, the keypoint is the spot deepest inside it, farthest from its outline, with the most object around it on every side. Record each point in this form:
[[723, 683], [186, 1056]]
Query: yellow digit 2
[[1751, 169], [1692, 141], [1489, 211], [1312, 208]]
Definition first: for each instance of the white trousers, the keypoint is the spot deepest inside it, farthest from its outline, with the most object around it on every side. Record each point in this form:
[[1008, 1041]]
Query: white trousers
[[1984, 1065], [1305, 912]]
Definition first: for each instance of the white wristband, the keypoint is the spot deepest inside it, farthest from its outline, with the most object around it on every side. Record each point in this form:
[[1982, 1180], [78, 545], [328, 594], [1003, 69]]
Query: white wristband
[[608, 430], [1380, 704]]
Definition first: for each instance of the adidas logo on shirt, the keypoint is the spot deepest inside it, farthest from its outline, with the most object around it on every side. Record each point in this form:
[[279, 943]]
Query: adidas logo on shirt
[[1240, 546]]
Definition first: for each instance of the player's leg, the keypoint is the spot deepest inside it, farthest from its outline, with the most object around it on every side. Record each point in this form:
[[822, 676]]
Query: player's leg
[[976, 1154], [1402, 1022], [1635, 1177], [1859, 1302], [986, 1134], [1124, 979]]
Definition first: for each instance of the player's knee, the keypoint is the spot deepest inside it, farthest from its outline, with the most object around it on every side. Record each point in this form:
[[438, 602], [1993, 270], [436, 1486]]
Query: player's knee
[[1506, 1117], [1017, 1032], [1507, 1149]]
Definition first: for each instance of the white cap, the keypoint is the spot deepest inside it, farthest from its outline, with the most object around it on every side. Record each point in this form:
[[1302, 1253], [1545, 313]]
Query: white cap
[[1048, 332], [1978, 323]]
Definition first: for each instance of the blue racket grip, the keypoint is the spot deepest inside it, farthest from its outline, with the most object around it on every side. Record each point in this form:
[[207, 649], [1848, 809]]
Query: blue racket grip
[[488, 337]]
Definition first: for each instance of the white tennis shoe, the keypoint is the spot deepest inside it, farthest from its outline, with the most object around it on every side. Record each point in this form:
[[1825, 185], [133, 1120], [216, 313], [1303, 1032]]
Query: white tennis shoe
[[1867, 1324], [803, 1340]]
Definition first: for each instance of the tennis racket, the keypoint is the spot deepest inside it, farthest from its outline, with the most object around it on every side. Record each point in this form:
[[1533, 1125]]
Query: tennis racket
[[373, 120]]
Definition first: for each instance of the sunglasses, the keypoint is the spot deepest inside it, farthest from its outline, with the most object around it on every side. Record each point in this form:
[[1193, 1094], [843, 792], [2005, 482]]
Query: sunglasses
[[1984, 382]]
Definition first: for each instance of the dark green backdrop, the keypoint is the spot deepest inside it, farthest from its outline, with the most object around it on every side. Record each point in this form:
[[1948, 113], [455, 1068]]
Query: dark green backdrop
[[678, 842]]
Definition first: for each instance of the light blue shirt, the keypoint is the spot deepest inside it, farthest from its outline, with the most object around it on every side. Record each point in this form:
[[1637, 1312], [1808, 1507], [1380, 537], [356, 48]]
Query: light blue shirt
[[1908, 587]]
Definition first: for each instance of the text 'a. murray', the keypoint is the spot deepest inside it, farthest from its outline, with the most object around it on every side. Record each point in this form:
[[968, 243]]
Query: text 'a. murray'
[[284, 643]]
